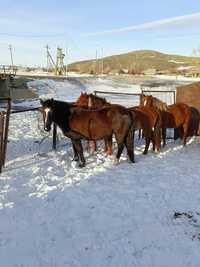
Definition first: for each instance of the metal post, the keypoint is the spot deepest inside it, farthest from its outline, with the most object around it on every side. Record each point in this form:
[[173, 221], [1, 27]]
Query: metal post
[[6, 128], [1, 140], [54, 135]]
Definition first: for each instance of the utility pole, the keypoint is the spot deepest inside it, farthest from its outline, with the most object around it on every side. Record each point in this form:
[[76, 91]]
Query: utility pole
[[11, 56], [47, 48], [50, 61], [102, 60], [96, 61], [60, 69], [66, 67]]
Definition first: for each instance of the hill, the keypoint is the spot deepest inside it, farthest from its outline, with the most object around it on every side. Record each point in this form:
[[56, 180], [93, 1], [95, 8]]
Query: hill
[[136, 62]]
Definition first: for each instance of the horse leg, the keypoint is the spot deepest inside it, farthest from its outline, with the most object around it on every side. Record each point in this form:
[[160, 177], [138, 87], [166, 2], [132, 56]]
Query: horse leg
[[94, 146], [185, 132], [129, 143], [79, 150], [108, 146], [164, 136], [120, 145], [75, 158], [157, 137], [147, 142]]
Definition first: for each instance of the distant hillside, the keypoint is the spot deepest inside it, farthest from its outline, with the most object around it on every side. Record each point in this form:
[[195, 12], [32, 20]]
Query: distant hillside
[[136, 62]]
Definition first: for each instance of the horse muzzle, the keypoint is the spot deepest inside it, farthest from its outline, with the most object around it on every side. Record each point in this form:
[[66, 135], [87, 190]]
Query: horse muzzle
[[47, 128]]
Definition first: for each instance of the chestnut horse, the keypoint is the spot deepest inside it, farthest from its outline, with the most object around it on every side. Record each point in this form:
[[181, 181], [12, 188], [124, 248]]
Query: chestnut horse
[[78, 123], [173, 116], [90, 101], [147, 119]]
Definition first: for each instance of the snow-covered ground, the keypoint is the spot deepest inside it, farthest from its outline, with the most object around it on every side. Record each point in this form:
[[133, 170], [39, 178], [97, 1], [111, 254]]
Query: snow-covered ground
[[53, 214]]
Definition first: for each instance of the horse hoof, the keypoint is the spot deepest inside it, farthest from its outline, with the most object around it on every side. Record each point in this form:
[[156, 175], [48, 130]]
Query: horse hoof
[[81, 165], [75, 159], [131, 160], [116, 161]]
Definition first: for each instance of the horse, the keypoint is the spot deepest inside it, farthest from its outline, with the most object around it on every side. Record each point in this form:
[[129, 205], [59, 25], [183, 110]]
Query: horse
[[173, 116], [145, 119], [194, 125], [77, 124], [149, 120], [91, 101]]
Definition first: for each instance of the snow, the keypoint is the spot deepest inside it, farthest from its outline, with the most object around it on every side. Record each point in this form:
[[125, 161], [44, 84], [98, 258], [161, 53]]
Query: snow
[[185, 67], [53, 214], [176, 62], [179, 78]]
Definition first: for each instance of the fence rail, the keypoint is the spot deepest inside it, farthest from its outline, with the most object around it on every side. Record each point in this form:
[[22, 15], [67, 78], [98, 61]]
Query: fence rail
[[8, 70]]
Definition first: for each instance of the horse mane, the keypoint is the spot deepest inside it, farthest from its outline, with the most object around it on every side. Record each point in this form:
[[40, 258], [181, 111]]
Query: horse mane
[[155, 102], [86, 100], [95, 101], [159, 104]]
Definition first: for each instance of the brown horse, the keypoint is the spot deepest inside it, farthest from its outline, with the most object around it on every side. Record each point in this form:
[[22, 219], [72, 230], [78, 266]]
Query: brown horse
[[173, 116], [78, 123], [90, 101], [146, 118], [149, 120]]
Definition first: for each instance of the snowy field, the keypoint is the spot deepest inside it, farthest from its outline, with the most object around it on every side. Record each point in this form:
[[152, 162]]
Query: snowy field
[[53, 214]]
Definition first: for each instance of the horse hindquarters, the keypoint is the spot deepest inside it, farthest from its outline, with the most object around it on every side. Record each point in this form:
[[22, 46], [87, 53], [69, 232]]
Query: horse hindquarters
[[124, 135]]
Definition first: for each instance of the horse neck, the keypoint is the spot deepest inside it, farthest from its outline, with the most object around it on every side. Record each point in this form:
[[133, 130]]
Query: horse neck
[[61, 113], [159, 104]]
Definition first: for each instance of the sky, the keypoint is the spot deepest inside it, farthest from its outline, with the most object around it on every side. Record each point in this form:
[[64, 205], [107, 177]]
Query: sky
[[83, 27]]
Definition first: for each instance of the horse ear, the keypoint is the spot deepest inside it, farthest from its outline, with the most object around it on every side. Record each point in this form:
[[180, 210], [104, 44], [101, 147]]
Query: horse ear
[[81, 93], [41, 102]]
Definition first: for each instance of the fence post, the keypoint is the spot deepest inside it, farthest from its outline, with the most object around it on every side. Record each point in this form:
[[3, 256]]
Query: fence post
[[54, 135], [6, 128], [1, 139]]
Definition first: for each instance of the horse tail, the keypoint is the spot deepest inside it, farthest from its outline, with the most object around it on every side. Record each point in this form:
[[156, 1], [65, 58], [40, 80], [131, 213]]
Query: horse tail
[[129, 140], [157, 131]]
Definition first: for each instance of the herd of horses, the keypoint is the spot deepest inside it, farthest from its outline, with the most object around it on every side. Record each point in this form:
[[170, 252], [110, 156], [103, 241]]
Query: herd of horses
[[93, 118]]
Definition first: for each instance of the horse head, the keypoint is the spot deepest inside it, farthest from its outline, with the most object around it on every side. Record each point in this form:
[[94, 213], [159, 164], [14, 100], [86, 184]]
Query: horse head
[[82, 101], [47, 107], [147, 100]]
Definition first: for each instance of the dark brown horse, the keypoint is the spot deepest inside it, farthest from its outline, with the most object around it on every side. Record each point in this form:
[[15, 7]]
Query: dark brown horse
[[78, 123], [173, 116], [91, 101], [149, 120]]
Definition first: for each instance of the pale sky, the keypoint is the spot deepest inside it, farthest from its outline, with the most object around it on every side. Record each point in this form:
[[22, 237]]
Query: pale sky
[[82, 27]]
